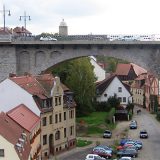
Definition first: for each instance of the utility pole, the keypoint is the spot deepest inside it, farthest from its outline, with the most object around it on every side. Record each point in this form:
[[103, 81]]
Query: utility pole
[[4, 15], [25, 20]]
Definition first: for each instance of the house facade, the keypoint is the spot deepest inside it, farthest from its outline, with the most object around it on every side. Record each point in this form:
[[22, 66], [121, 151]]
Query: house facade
[[137, 90], [111, 86], [30, 122], [99, 72], [49, 99], [14, 141]]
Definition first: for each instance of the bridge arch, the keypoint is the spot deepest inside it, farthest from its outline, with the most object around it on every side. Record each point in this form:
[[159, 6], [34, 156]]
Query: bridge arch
[[36, 56], [45, 57]]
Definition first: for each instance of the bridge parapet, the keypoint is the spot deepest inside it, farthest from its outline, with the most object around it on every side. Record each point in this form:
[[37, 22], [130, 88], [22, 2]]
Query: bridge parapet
[[5, 38]]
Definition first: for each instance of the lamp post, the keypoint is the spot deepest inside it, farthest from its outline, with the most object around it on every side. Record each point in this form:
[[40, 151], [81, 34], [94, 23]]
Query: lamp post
[[25, 20], [4, 15]]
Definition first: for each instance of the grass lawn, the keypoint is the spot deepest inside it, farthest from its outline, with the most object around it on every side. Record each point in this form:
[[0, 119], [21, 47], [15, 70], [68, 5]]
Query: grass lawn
[[96, 123], [82, 143]]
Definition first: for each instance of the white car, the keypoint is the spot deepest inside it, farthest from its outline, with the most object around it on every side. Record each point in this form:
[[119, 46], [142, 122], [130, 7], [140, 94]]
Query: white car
[[125, 158], [48, 38], [94, 157]]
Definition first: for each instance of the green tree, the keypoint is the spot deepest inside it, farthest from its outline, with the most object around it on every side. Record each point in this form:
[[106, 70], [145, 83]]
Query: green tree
[[114, 101], [81, 80], [130, 107]]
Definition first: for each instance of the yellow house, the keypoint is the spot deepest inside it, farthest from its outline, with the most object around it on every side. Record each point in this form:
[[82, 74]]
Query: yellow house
[[58, 121]]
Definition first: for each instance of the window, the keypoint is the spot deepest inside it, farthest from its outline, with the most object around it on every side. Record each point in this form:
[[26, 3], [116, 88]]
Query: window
[[64, 116], [56, 118], [44, 139], [124, 99], [1, 152], [59, 100], [105, 95], [56, 101], [71, 130], [57, 135], [120, 99], [59, 117], [119, 89], [65, 135], [44, 121], [50, 119]]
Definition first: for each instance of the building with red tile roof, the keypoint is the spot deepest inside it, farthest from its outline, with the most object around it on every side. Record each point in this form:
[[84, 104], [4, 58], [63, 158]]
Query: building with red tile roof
[[30, 122], [14, 141], [48, 98], [125, 72], [21, 113]]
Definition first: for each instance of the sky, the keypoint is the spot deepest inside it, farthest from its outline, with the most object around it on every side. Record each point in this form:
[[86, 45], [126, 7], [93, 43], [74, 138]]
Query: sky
[[84, 16]]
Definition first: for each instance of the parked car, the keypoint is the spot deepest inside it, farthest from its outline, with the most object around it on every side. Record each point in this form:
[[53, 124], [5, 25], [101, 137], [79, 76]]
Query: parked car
[[102, 152], [138, 146], [143, 134], [126, 158], [133, 125], [127, 146], [133, 121], [107, 134], [107, 148], [127, 152], [48, 38], [124, 140], [94, 157]]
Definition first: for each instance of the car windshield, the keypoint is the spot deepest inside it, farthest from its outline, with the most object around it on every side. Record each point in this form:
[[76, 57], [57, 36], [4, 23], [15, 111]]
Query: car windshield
[[107, 132], [143, 132]]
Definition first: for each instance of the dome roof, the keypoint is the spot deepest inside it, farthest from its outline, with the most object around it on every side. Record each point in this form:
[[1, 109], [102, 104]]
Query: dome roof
[[63, 23]]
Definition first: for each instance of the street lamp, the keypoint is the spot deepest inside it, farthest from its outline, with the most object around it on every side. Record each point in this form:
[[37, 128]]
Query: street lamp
[[25, 19], [4, 15]]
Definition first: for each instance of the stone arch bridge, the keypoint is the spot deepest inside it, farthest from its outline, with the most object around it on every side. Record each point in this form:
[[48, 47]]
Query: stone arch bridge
[[36, 56]]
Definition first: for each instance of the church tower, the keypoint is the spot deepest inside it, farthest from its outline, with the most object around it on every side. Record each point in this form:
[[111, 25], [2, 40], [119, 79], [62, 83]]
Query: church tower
[[63, 28]]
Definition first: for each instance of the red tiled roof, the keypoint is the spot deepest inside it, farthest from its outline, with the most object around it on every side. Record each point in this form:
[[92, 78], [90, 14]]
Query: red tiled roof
[[123, 69], [30, 84], [21, 30], [40, 85], [24, 117], [11, 131], [138, 70]]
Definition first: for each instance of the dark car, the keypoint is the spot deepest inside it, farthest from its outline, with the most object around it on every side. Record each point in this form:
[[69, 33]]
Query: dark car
[[102, 152], [124, 140], [133, 125], [127, 152], [107, 134], [143, 134]]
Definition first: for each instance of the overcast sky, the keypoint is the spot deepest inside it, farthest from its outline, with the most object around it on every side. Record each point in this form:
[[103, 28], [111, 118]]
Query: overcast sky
[[85, 16]]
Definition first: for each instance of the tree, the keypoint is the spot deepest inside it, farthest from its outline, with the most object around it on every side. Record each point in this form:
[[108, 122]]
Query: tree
[[114, 101], [130, 106], [81, 80]]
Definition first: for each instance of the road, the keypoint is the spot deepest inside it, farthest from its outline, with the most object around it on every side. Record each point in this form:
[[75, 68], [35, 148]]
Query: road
[[151, 146]]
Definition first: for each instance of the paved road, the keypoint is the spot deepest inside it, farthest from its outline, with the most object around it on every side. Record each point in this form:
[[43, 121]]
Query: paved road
[[151, 146]]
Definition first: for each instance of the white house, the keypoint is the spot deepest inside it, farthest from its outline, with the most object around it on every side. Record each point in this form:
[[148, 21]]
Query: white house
[[13, 95], [111, 86], [99, 72]]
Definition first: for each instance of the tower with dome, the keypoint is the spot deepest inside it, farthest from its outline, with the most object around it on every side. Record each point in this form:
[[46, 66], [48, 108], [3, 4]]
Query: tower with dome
[[63, 28]]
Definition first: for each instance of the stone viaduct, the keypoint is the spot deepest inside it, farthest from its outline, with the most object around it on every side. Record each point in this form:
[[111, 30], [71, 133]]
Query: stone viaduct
[[36, 56]]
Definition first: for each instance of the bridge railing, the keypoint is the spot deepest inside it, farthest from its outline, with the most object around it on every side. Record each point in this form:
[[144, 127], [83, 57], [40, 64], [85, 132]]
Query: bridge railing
[[5, 38]]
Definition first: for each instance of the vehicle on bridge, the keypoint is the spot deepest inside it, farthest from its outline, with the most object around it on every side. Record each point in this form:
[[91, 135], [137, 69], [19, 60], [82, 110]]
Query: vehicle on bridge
[[48, 38]]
